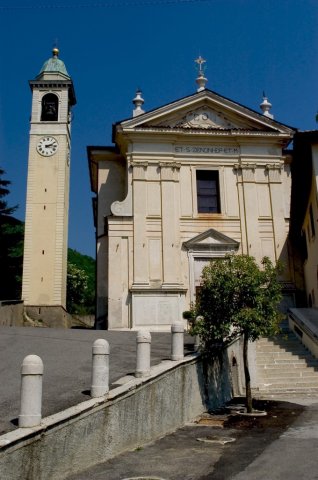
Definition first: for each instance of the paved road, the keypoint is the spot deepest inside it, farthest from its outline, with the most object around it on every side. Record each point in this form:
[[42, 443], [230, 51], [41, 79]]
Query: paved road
[[66, 355], [284, 448]]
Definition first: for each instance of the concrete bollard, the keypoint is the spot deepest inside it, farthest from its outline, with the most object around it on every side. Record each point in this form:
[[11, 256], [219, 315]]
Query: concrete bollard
[[31, 392], [100, 368], [197, 343], [177, 341], [197, 338], [143, 354]]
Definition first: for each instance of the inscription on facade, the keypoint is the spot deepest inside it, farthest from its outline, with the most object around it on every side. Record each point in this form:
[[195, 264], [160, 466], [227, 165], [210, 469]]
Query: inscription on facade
[[224, 150]]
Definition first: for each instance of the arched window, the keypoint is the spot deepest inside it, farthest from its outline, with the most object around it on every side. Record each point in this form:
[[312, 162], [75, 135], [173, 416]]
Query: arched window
[[50, 108]]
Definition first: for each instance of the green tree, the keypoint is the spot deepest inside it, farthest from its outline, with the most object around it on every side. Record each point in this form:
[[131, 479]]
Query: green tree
[[76, 288], [11, 245], [4, 191], [237, 297], [80, 283]]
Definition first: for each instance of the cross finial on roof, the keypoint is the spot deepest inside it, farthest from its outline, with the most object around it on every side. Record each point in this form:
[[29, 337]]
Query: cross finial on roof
[[200, 61], [201, 79]]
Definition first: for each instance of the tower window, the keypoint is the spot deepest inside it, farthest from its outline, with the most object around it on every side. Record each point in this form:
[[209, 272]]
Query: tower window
[[50, 108], [208, 194]]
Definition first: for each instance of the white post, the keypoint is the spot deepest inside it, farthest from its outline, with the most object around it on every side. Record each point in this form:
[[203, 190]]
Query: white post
[[177, 334], [197, 338], [100, 368], [31, 391], [143, 354], [197, 343]]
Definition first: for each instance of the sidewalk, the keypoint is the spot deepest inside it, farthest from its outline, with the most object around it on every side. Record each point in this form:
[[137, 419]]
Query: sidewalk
[[67, 356], [282, 445]]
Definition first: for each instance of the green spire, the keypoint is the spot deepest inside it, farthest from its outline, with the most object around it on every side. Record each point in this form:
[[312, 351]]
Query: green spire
[[54, 65]]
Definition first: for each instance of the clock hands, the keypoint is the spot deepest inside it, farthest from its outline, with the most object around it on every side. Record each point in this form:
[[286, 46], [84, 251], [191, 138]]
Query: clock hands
[[47, 146]]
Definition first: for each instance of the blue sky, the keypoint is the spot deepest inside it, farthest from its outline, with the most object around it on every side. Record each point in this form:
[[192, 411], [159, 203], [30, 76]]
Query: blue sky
[[111, 49]]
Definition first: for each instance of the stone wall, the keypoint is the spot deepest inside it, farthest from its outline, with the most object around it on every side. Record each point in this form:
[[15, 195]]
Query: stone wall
[[11, 315], [137, 411], [16, 315]]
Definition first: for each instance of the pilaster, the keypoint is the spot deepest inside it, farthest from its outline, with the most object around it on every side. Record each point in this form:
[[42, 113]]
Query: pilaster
[[249, 208], [141, 271], [170, 223], [274, 176]]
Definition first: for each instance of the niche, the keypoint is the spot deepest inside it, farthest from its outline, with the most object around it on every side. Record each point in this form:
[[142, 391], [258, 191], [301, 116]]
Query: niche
[[50, 108]]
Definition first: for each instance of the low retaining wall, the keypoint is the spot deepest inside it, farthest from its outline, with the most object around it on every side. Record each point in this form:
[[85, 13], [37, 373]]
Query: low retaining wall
[[11, 315], [305, 330], [137, 411], [14, 314]]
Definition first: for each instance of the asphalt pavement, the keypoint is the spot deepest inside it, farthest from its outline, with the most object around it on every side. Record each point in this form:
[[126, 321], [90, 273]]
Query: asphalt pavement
[[282, 445], [67, 358]]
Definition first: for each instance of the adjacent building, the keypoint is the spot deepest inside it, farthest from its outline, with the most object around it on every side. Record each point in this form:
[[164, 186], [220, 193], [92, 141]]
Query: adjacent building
[[304, 211]]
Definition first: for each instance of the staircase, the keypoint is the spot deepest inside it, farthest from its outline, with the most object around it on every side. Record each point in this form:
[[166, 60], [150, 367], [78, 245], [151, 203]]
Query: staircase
[[284, 365]]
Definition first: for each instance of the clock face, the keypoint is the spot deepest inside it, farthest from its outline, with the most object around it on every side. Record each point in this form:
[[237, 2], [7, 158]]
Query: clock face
[[47, 146]]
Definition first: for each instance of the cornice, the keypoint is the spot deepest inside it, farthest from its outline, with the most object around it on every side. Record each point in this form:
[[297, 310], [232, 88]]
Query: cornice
[[206, 132], [55, 84]]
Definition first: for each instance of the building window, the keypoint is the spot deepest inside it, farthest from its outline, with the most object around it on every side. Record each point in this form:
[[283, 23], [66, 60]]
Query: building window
[[50, 108], [208, 194]]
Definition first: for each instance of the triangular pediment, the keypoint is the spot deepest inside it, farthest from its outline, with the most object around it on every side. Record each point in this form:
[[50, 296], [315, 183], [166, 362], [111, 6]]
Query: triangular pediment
[[205, 110], [202, 117], [211, 240]]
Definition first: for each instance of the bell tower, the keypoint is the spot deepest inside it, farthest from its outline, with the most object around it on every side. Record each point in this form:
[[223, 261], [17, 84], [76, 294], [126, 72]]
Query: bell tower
[[47, 202]]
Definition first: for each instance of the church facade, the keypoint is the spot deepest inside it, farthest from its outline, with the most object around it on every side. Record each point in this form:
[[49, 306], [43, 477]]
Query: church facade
[[185, 184]]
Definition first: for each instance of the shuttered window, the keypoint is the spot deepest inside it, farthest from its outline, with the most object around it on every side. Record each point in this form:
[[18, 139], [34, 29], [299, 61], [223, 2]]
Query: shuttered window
[[208, 194]]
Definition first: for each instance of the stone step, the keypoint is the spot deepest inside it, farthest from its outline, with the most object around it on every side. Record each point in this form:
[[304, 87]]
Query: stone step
[[291, 337], [292, 373], [301, 362], [287, 361], [285, 366], [294, 344], [278, 348], [306, 381], [280, 339], [285, 384], [282, 348], [283, 355], [289, 377], [286, 390], [282, 351], [287, 356]]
